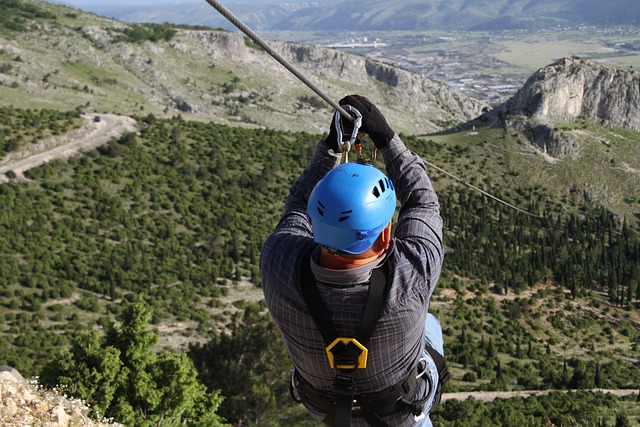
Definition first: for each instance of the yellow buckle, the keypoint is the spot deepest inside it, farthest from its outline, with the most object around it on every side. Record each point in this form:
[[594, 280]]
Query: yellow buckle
[[362, 358]]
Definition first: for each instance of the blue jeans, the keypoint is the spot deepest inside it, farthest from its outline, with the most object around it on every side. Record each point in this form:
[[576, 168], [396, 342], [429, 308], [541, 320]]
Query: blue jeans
[[433, 338]]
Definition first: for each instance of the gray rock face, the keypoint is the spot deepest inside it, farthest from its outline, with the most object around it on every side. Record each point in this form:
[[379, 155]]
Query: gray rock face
[[567, 90], [571, 89], [420, 105], [415, 104]]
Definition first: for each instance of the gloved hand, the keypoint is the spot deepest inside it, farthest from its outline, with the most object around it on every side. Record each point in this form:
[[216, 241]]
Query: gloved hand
[[373, 123]]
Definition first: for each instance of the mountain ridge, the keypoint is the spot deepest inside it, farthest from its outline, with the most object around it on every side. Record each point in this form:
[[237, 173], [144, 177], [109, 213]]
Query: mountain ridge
[[209, 75], [406, 15], [568, 90]]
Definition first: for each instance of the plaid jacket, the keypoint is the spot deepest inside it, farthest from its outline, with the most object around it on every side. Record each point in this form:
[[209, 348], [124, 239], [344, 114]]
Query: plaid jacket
[[415, 259]]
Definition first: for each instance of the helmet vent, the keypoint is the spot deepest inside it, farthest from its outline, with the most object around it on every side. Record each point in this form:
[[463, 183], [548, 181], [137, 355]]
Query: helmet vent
[[376, 191], [344, 216], [320, 208]]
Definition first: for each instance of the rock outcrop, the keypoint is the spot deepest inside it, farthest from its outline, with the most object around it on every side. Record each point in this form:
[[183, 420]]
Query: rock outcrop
[[413, 103], [565, 91], [25, 403], [219, 76], [424, 105]]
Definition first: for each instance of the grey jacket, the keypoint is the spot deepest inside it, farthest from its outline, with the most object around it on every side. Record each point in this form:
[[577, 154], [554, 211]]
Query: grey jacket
[[415, 259]]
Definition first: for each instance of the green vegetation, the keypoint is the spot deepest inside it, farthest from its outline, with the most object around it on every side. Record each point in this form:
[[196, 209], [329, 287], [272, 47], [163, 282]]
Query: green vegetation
[[555, 409], [252, 366], [125, 380], [138, 33], [179, 212], [16, 15], [20, 128], [575, 252]]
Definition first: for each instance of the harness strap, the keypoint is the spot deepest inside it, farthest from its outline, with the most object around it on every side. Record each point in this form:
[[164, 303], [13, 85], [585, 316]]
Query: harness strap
[[343, 400], [348, 355], [373, 308], [371, 406]]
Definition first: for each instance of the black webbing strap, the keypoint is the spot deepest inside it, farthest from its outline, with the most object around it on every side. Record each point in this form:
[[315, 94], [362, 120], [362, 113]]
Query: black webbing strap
[[343, 384], [375, 302], [372, 406]]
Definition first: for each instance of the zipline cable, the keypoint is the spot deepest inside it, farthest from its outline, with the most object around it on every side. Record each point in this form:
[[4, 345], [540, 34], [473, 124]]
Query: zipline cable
[[479, 189], [258, 40]]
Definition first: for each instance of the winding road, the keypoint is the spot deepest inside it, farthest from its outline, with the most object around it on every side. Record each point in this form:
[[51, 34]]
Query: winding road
[[90, 135]]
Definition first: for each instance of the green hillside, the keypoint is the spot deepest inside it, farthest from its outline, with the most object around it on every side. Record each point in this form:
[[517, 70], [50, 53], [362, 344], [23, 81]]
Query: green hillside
[[63, 58], [176, 216]]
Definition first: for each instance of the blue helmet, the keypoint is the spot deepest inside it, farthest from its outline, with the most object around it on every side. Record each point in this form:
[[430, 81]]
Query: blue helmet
[[350, 207]]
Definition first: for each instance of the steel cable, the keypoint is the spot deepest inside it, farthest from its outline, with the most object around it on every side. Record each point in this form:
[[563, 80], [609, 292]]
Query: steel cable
[[258, 40]]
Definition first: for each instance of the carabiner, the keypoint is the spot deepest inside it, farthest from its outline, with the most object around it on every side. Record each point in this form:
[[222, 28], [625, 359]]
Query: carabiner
[[345, 146]]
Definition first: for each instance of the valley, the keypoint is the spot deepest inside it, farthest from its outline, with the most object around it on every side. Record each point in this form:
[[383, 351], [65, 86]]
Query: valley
[[489, 66]]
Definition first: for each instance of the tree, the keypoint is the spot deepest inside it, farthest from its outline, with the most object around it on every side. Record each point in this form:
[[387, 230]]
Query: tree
[[580, 378], [249, 366], [121, 376], [89, 371], [622, 420]]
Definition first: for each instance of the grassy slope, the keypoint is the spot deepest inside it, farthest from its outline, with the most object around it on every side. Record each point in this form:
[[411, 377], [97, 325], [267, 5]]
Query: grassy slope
[[73, 60], [605, 172]]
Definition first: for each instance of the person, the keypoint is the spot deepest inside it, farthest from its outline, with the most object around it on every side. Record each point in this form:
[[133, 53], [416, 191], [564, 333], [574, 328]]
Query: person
[[318, 269]]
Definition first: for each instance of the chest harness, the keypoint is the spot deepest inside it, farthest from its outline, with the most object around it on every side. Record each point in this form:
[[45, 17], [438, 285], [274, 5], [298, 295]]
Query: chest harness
[[347, 354]]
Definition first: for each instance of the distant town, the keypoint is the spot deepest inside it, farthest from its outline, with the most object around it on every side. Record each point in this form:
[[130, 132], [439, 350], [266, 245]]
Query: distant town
[[442, 64], [469, 61]]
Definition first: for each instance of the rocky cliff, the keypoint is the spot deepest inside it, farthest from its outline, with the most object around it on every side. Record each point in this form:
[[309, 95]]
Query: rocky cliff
[[412, 103], [565, 91], [26, 403], [416, 103], [210, 75]]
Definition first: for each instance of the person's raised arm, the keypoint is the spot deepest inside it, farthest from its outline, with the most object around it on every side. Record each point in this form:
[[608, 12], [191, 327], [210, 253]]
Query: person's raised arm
[[325, 158], [419, 221]]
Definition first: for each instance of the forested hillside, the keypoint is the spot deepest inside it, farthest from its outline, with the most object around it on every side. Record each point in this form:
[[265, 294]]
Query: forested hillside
[[178, 213], [130, 276]]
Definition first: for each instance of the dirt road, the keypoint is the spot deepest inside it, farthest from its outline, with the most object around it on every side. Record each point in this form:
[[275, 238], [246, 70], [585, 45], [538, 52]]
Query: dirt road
[[90, 135], [488, 396]]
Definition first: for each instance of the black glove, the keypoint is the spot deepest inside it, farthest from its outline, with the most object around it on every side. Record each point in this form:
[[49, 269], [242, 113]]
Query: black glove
[[373, 122]]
